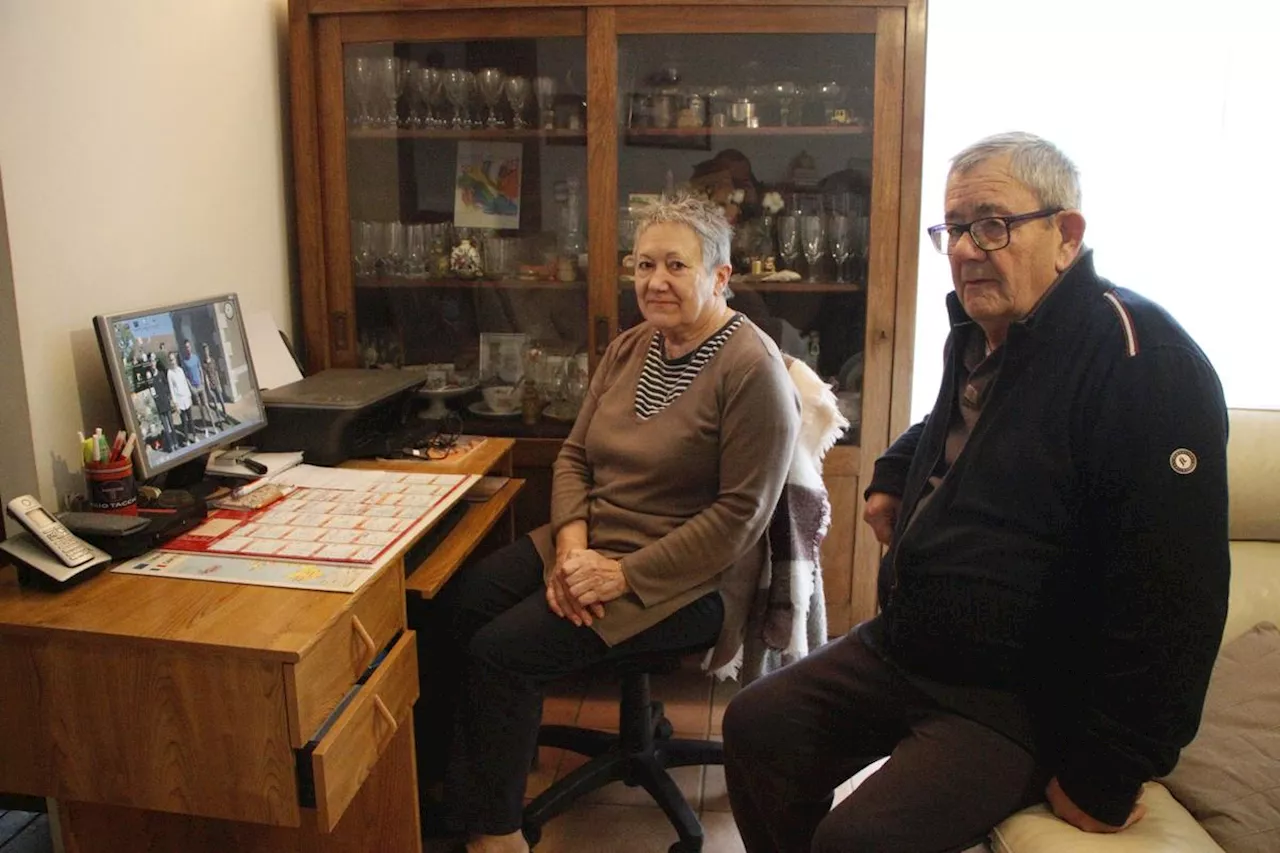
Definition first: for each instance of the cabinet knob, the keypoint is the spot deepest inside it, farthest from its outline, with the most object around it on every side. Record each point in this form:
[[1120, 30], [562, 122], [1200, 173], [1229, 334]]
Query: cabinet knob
[[338, 323]]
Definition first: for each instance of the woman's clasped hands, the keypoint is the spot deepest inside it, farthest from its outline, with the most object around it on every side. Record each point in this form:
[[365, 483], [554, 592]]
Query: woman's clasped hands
[[582, 581]]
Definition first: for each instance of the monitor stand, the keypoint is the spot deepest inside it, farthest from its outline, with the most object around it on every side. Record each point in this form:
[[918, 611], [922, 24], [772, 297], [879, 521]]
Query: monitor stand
[[188, 477]]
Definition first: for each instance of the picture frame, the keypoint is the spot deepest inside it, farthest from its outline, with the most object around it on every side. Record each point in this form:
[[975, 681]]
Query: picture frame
[[502, 355], [487, 183]]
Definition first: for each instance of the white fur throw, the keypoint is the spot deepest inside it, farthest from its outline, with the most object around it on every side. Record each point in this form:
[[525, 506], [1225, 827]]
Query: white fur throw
[[788, 617]]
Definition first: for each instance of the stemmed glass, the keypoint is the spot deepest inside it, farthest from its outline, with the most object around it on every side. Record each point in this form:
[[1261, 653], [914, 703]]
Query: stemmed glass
[[364, 255], [455, 89], [839, 235], [517, 89], [789, 239], [544, 90], [861, 242], [813, 236], [360, 82], [390, 87], [490, 81], [830, 93], [785, 92]]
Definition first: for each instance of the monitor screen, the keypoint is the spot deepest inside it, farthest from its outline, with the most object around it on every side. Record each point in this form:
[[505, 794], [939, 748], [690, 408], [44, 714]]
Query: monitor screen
[[183, 379]]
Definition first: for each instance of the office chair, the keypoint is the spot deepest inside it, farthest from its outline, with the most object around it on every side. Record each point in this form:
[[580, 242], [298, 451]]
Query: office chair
[[639, 754]]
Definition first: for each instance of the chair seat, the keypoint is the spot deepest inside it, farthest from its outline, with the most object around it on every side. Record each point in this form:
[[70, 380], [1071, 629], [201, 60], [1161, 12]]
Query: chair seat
[[639, 754]]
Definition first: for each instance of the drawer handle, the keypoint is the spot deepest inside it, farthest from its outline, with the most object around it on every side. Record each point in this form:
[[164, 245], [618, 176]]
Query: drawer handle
[[359, 628], [386, 714]]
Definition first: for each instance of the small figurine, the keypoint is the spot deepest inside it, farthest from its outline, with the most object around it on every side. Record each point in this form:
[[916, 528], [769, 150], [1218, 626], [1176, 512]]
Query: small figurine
[[464, 260], [770, 265]]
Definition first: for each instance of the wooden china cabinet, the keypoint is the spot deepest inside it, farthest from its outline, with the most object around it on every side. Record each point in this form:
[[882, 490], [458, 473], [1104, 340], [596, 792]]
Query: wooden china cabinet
[[467, 172]]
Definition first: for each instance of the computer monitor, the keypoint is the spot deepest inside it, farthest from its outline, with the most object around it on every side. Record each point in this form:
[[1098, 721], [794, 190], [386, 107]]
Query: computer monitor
[[183, 381]]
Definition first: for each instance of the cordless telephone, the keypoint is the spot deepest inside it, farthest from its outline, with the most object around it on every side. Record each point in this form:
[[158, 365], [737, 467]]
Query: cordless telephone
[[49, 547]]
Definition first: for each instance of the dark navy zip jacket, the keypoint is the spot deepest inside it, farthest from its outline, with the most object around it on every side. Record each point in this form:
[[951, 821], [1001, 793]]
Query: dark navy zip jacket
[[1076, 553]]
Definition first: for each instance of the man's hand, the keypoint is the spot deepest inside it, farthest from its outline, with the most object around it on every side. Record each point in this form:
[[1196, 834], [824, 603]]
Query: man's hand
[[882, 514], [593, 578], [1064, 808]]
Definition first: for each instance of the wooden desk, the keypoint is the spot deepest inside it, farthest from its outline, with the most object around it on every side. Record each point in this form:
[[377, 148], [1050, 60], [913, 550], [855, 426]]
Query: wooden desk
[[174, 715]]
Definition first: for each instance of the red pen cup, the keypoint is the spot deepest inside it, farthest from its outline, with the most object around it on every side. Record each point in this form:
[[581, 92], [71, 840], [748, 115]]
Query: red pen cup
[[111, 487]]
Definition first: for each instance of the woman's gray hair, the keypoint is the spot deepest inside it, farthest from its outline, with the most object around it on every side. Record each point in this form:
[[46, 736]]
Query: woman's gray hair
[[706, 219], [1036, 163]]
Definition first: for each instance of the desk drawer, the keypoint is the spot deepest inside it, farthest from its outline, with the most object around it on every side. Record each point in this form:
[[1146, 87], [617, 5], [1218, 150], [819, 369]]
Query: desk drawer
[[316, 684], [346, 755]]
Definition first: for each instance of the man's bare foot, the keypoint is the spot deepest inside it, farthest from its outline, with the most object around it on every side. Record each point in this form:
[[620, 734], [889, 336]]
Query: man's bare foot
[[512, 843]]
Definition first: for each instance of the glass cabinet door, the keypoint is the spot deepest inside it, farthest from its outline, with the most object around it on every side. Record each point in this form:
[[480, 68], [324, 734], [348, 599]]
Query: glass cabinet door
[[466, 176], [778, 130]]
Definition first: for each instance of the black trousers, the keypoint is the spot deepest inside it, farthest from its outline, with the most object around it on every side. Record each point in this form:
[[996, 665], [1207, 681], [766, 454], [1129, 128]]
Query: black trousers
[[493, 646], [792, 737]]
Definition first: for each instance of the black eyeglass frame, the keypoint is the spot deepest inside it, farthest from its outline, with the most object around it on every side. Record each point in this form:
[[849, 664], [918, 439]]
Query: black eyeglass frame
[[437, 446], [935, 231]]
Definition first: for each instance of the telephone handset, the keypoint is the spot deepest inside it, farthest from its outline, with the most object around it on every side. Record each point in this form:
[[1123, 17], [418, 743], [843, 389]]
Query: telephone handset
[[49, 547]]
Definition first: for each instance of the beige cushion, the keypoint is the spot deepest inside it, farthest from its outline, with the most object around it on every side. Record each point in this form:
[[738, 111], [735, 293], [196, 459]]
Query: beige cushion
[[1253, 474], [1229, 776], [1255, 586], [1167, 828]]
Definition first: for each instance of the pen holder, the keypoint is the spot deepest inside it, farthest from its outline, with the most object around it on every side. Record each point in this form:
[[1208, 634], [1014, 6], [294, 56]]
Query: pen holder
[[111, 487]]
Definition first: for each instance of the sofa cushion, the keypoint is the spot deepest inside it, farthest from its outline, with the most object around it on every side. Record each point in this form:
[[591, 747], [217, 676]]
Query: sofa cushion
[[1167, 828], [1229, 776], [1255, 586], [1253, 474]]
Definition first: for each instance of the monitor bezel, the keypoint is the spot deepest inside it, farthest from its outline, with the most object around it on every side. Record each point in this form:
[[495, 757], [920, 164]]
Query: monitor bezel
[[104, 326]]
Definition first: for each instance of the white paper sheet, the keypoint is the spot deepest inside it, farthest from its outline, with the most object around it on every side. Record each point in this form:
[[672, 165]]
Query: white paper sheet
[[272, 362]]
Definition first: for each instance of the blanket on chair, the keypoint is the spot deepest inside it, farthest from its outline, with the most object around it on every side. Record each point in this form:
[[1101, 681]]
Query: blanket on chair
[[789, 617]]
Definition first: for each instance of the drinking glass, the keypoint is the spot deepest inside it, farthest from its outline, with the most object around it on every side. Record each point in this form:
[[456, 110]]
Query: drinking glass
[[455, 89], [789, 239], [785, 92], [839, 235], [364, 255], [433, 83], [544, 90], [490, 81], [517, 89], [390, 87], [415, 257], [831, 93], [813, 237]]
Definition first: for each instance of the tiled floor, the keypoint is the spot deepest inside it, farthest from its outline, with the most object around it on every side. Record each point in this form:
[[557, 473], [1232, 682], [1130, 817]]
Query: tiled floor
[[24, 832]]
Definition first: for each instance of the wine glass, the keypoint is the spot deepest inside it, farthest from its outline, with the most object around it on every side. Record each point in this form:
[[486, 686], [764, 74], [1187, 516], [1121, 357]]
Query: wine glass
[[839, 235], [433, 86], [455, 89], [789, 239], [363, 255], [813, 237], [831, 94], [490, 81], [544, 90], [390, 87], [785, 92], [360, 81], [517, 89]]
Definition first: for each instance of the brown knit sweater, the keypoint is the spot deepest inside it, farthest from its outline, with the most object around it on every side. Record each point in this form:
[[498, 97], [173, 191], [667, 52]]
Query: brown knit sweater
[[683, 498]]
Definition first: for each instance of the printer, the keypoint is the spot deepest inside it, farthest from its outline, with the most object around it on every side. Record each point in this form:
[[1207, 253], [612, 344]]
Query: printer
[[341, 414]]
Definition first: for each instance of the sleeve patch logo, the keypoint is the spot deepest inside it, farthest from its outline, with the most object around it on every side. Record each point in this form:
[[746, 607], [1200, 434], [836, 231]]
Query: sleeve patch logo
[[1182, 461]]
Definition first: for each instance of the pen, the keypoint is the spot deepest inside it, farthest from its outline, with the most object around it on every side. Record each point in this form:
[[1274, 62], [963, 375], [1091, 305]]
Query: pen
[[116, 446], [254, 465], [246, 489], [128, 446]]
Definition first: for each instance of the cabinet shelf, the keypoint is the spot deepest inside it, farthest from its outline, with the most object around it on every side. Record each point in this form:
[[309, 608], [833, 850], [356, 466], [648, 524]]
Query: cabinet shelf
[[465, 135], [798, 286], [508, 283], [648, 133]]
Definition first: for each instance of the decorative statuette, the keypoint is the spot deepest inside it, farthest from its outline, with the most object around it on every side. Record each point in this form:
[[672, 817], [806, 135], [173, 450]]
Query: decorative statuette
[[464, 260]]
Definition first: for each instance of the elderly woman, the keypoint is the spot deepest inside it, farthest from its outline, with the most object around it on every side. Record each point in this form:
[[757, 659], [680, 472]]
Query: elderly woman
[[660, 499]]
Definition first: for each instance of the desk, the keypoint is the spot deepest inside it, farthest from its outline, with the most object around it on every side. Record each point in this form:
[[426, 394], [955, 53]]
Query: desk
[[174, 715]]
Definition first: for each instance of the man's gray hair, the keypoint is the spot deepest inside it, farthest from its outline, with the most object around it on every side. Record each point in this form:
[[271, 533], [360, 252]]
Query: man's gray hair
[[706, 219], [1036, 163]]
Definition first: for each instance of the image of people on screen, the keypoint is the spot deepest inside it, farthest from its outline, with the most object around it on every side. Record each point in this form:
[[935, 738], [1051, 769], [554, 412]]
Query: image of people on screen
[[188, 377]]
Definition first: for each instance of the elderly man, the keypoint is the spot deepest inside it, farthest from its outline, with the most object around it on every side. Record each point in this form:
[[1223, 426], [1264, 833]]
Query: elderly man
[[1056, 578]]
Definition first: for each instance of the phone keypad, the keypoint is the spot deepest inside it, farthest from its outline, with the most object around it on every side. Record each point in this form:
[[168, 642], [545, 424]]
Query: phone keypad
[[68, 546]]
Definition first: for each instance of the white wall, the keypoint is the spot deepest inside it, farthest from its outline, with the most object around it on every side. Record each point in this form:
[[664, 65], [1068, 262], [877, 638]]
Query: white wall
[[142, 149], [1169, 109]]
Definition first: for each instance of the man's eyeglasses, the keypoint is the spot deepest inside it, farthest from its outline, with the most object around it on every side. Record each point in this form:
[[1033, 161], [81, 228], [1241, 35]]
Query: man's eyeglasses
[[989, 233]]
